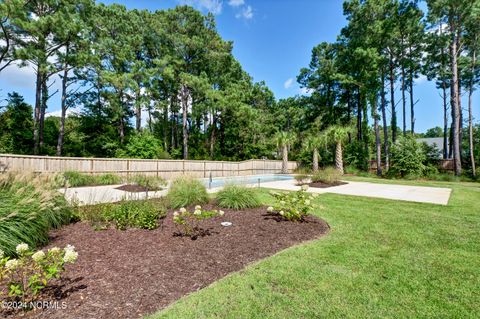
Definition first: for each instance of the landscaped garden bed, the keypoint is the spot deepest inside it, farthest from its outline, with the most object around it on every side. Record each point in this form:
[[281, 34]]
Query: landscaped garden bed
[[127, 274]]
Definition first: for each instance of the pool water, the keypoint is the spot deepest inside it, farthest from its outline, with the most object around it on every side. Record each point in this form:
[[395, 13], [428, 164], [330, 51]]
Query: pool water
[[244, 180]]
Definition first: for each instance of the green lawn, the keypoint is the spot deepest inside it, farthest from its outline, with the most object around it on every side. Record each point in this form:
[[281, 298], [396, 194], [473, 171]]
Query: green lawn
[[382, 259]]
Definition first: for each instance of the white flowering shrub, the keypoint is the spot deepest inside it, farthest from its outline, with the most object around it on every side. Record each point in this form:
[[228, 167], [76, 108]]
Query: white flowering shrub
[[23, 278], [188, 222], [293, 206]]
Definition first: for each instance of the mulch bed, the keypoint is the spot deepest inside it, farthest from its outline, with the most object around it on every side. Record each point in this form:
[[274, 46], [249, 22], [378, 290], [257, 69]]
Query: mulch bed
[[132, 188], [324, 185], [128, 274]]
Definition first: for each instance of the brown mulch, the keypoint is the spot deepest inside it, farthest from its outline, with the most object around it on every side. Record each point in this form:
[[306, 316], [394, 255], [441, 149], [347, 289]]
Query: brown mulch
[[133, 188], [325, 185], [128, 274]]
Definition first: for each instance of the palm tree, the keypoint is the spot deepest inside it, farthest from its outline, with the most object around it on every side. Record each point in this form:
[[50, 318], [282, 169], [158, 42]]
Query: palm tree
[[284, 140], [338, 134], [312, 143]]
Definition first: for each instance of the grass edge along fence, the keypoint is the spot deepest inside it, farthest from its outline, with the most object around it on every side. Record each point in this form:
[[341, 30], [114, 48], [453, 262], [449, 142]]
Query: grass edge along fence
[[166, 169]]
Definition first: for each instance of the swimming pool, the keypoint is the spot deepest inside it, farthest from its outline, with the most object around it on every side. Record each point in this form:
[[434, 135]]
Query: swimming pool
[[244, 180]]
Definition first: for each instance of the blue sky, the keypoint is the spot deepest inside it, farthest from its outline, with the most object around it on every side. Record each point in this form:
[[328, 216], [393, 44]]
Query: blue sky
[[272, 40]]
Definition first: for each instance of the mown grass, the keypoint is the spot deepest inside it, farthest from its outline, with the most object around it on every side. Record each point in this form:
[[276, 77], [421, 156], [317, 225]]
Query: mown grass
[[29, 207], [382, 259]]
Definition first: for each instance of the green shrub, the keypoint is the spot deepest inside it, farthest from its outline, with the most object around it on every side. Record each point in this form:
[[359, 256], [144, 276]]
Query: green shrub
[[188, 222], [186, 191], [77, 179], [328, 175], [407, 158], [149, 182], [238, 197], [293, 206], [29, 207], [24, 278], [143, 145], [123, 215]]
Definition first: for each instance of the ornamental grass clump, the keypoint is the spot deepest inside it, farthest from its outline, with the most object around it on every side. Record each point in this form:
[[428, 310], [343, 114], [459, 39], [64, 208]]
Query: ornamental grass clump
[[30, 206], [188, 223], [328, 175], [151, 183], [238, 197], [23, 278], [292, 206], [186, 191]]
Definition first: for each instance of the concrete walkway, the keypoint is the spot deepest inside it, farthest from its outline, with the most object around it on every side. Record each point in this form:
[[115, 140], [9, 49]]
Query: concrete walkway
[[420, 194]]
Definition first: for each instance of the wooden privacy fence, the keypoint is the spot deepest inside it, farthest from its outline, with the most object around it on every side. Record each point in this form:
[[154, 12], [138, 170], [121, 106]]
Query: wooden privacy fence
[[163, 168]]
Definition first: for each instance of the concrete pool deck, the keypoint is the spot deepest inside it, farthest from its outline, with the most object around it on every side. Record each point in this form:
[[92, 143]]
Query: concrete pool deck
[[420, 194]]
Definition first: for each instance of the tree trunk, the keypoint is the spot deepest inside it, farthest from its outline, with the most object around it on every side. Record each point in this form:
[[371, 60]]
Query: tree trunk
[[359, 116], [285, 159], [43, 110], [38, 105], [61, 131], [339, 157], [138, 112], [470, 117], [315, 159], [404, 102], [378, 144], [184, 97], [213, 137], [412, 105], [385, 128], [445, 120], [454, 99], [392, 100]]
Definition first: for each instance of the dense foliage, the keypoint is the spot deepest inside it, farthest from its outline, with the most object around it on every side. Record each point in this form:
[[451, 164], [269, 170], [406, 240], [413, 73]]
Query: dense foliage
[[29, 207], [292, 206], [185, 191], [237, 197]]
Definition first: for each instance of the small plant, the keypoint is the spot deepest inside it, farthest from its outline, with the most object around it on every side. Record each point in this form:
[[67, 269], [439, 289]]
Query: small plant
[[22, 279], [328, 175], [139, 214], [77, 179], [293, 206], [151, 183], [188, 222], [238, 197], [186, 191], [301, 178]]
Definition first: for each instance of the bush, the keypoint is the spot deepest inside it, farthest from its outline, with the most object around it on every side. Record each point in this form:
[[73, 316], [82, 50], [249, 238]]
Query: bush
[[186, 191], [328, 175], [292, 206], [152, 183], [188, 222], [238, 197], [24, 278], [136, 214], [143, 145], [29, 207], [77, 179], [407, 158]]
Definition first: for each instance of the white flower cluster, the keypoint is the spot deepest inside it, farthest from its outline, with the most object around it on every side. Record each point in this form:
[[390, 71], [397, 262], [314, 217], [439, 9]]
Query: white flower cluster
[[270, 209], [54, 250], [221, 212], [38, 256], [70, 254], [12, 264], [304, 187], [21, 248]]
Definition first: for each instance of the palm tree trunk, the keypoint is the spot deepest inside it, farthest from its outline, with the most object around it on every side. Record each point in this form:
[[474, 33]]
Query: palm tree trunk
[[470, 117], [315, 159], [285, 159], [339, 157]]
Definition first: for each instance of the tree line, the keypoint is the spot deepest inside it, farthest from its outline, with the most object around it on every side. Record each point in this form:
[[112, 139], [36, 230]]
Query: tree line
[[172, 68]]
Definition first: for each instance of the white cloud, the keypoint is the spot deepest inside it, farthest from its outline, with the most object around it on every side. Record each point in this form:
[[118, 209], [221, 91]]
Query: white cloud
[[236, 3], [71, 111], [213, 6], [246, 13], [288, 83], [421, 79]]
